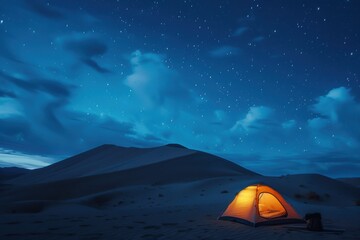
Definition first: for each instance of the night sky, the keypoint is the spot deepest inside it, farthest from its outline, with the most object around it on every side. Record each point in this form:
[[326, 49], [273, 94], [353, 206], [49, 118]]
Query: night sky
[[272, 85]]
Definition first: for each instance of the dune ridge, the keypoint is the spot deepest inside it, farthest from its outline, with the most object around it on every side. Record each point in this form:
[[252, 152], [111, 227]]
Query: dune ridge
[[166, 192], [100, 160]]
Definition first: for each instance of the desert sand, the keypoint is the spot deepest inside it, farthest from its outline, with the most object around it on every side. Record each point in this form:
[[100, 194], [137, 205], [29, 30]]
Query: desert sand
[[168, 192]]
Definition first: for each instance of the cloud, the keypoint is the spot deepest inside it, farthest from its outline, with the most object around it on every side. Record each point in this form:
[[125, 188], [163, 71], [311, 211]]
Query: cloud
[[224, 51], [219, 117], [257, 118], [332, 104], [13, 126], [318, 123], [333, 128], [80, 131], [160, 99], [8, 107], [289, 124], [330, 164], [85, 48], [336, 125], [4, 93], [10, 158], [240, 31], [94, 65], [89, 130], [258, 39], [38, 121], [34, 84], [33, 90], [262, 132], [44, 10], [153, 82], [6, 50]]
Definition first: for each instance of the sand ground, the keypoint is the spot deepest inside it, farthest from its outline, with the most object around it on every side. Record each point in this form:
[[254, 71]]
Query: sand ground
[[174, 211]]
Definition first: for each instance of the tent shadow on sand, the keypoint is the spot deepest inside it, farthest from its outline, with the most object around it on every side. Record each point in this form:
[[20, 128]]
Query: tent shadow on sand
[[258, 205]]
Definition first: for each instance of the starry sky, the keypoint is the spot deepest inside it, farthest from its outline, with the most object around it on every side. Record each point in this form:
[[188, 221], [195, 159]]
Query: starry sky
[[271, 85]]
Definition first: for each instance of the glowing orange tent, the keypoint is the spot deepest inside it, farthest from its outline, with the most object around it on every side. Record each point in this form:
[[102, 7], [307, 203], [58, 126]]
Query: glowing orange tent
[[258, 205]]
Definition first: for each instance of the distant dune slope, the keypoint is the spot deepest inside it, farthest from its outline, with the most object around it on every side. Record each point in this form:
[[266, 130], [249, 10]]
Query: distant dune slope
[[315, 188], [100, 160], [352, 181], [110, 158], [11, 172], [195, 166]]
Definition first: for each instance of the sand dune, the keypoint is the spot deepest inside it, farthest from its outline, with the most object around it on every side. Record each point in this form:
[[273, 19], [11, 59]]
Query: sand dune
[[352, 181], [168, 192], [193, 167], [111, 158], [7, 173], [186, 210], [315, 188]]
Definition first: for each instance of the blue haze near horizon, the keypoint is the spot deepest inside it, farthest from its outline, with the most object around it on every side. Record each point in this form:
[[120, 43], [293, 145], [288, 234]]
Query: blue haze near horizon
[[271, 85]]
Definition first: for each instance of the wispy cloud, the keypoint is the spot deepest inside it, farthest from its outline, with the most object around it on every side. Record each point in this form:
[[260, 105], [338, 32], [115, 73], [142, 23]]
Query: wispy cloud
[[240, 31], [4, 93], [330, 164], [153, 81], [289, 124], [225, 51], [37, 120], [256, 119], [336, 125], [331, 105], [86, 48], [44, 10], [161, 96], [10, 158], [258, 39]]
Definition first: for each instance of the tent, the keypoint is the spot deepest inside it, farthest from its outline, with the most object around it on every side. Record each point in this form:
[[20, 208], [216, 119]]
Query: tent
[[258, 205]]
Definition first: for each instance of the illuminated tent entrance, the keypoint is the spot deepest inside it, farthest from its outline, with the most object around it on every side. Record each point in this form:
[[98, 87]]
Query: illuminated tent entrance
[[258, 205]]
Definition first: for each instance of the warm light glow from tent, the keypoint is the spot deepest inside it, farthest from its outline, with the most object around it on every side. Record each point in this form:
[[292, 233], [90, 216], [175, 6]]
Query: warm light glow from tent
[[270, 207], [246, 196], [243, 201], [260, 204]]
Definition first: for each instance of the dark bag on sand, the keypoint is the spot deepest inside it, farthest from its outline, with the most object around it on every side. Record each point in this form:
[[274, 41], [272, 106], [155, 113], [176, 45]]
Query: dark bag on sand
[[314, 221]]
